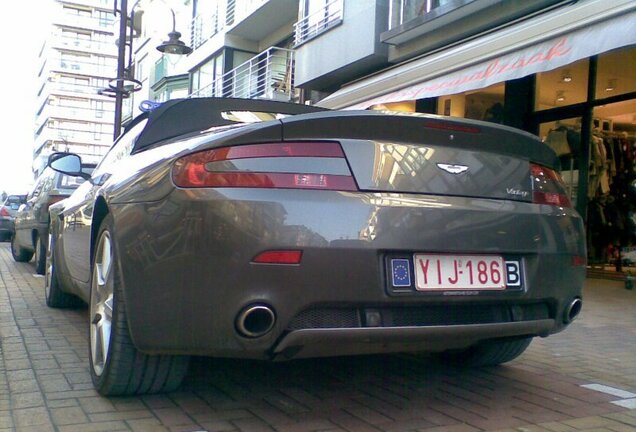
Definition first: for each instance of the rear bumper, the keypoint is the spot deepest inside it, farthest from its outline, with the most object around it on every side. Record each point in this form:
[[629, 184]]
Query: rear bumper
[[328, 342], [6, 226], [187, 268]]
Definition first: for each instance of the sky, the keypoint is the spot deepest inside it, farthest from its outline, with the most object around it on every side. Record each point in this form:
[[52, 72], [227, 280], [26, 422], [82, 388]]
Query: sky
[[23, 29]]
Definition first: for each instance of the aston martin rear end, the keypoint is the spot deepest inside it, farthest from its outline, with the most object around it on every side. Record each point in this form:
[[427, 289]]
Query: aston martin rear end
[[318, 234]]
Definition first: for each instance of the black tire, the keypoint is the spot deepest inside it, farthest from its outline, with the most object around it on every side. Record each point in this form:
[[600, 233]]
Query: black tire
[[120, 368], [19, 254], [488, 353], [53, 293], [40, 255]]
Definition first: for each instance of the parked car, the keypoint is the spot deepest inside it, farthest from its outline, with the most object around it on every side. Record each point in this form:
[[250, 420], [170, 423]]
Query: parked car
[[7, 213], [32, 218], [265, 230]]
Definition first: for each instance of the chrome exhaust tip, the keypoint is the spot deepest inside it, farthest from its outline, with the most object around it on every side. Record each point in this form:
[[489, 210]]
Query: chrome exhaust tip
[[255, 321], [573, 310]]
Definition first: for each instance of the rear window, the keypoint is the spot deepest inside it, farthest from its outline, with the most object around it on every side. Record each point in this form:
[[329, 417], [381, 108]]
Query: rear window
[[70, 182], [14, 201]]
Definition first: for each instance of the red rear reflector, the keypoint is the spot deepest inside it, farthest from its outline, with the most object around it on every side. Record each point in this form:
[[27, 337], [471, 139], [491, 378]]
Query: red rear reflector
[[4, 212], [554, 199], [579, 261], [279, 257], [191, 171]]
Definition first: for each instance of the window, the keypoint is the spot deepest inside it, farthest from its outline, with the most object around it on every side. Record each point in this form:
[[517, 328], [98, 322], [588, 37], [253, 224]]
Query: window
[[562, 86], [615, 73], [204, 79], [403, 11]]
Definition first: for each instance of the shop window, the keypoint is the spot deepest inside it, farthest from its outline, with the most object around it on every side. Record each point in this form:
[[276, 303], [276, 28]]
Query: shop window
[[564, 137], [562, 86], [615, 73], [406, 106], [612, 195], [484, 104]]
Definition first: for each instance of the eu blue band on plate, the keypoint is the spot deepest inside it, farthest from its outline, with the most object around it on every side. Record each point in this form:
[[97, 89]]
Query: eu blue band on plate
[[400, 273]]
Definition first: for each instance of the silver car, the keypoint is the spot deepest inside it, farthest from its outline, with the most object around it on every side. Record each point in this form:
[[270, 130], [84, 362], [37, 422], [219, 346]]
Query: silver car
[[264, 230], [8, 209]]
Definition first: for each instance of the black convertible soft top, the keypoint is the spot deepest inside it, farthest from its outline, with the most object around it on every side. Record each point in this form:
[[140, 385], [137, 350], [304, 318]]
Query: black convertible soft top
[[182, 116]]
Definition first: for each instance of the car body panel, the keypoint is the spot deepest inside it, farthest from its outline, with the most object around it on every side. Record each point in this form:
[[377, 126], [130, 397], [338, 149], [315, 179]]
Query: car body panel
[[11, 205], [33, 217], [186, 254]]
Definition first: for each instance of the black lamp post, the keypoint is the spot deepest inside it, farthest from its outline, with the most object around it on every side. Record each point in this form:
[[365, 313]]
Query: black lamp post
[[125, 84]]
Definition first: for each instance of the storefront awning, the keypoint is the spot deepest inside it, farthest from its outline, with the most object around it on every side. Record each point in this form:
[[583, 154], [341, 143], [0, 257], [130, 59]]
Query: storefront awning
[[542, 43]]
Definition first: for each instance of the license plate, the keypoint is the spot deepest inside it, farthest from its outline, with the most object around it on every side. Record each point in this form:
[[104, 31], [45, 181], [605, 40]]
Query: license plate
[[465, 272]]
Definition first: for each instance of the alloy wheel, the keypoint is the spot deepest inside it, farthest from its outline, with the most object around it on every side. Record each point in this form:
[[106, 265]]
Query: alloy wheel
[[101, 303]]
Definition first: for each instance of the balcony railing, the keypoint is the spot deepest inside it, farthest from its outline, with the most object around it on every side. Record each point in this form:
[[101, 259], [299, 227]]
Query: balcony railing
[[268, 75], [103, 115], [49, 88], [222, 15], [102, 23], [319, 21], [102, 47], [81, 67], [71, 137]]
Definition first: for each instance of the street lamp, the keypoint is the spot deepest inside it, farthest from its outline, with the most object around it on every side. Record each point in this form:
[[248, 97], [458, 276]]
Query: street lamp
[[125, 84]]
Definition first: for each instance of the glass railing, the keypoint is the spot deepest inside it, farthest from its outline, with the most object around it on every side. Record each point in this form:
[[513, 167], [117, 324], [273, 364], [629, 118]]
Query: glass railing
[[268, 75], [318, 22]]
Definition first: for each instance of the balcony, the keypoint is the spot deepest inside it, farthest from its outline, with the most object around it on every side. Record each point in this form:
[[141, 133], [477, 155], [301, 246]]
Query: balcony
[[105, 115], [80, 67], [103, 23], [73, 137], [70, 43], [223, 15], [318, 22], [431, 24], [268, 75]]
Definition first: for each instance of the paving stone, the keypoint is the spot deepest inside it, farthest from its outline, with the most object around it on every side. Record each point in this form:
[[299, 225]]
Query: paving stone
[[45, 383]]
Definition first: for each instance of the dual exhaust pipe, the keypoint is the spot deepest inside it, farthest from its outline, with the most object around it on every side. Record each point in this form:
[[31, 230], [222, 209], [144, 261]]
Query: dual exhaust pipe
[[258, 319], [572, 310], [255, 320]]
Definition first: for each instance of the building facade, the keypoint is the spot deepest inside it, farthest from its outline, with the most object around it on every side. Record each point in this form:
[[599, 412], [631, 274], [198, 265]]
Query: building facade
[[563, 70], [77, 60]]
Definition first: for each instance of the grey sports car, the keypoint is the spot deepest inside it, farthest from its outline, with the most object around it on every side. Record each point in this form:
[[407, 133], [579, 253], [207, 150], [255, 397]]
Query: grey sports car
[[265, 230]]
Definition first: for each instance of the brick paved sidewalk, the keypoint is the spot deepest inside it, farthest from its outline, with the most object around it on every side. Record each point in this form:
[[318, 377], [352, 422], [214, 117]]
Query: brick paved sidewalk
[[45, 384]]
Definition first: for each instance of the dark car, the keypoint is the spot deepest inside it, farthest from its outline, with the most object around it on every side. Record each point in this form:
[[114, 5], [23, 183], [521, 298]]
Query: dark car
[[32, 218], [8, 208], [264, 230]]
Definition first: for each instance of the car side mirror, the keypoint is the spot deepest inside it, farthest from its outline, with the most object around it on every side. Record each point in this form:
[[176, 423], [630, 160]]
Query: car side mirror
[[67, 163]]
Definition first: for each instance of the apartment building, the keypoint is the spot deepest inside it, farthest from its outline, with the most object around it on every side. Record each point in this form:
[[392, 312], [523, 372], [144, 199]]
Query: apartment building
[[77, 60]]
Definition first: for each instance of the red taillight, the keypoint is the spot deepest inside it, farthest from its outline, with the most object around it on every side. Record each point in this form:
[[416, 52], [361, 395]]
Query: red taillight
[[548, 187], [279, 257], [4, 212], [202, 169]]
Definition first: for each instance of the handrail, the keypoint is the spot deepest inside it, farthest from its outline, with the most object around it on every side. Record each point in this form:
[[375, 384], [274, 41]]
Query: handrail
[[319, 21], [268, 75]]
